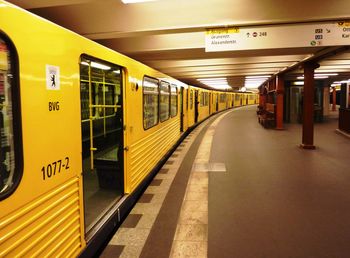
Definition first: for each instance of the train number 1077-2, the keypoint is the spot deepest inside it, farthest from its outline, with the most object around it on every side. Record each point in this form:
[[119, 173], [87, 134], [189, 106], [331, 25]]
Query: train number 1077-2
[[54, 168]]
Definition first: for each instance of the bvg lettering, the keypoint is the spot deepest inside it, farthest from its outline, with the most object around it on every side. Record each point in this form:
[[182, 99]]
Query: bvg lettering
[[54, 106]]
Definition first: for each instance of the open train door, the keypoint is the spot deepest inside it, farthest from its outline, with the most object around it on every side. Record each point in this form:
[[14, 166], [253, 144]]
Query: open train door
[[196, 103], [101, 96]]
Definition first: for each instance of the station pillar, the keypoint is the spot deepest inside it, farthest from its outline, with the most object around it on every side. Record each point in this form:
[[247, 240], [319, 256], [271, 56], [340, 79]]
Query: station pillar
[[279, 102], [334, 99], [308, 105]]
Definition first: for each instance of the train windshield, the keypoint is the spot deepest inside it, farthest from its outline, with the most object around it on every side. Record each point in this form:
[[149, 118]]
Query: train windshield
[[102, 137], [9, 176]]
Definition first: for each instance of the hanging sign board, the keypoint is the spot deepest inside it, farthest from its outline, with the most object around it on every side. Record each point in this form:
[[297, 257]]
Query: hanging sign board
[[279, 36]]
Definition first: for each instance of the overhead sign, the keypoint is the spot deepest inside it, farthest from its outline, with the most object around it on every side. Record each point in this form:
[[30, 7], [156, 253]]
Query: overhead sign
[[279, 36]]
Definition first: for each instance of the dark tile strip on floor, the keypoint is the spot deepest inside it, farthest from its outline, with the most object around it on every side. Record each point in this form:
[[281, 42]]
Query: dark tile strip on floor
[[112, 251], [160, 239]]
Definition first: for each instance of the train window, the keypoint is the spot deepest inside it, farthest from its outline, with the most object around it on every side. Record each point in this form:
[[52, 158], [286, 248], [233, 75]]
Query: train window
[[150, 102], [10, 142], [191, 99], [222, 97], [173, 100], [164, 101], [204, 99]]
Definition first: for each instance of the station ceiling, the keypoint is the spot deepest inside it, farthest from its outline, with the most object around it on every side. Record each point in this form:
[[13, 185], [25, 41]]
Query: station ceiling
[[169, 35]]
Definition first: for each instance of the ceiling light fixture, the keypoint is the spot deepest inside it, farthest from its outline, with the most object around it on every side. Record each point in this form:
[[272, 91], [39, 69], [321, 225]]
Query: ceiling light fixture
[[258, 76], [298, 83], [136, 1], [315, 77]]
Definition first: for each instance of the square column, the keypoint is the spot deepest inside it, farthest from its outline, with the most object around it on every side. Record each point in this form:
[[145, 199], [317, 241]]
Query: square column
[[308, 106], [279, 102]]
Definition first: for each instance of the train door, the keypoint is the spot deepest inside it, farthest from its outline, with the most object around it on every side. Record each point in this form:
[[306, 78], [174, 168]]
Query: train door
[[217, 102], [182, 95], [101, 96], [196, 103]]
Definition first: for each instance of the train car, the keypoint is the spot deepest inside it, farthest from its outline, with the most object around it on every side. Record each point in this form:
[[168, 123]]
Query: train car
[[83, 131], [199, 105]]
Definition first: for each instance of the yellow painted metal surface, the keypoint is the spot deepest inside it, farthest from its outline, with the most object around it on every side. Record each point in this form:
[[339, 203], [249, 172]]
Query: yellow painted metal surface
[[146, 152], [47, 226]]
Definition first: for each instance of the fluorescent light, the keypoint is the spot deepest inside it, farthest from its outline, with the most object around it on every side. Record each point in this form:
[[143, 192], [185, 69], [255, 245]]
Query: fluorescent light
[[96, 65], [216, 83], [298, 83], [251, 86], [315, 77], [116, 71], [220, 87], [258, 76], [256, 80], [212, 79], [100, 66], [325, 74], [135, 1]]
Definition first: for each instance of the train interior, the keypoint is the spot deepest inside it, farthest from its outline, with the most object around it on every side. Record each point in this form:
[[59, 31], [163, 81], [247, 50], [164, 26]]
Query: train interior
[[7, 155], [102, 137]]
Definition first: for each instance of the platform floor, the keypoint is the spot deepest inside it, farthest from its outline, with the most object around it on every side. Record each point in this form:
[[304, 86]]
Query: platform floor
[[235, 189]]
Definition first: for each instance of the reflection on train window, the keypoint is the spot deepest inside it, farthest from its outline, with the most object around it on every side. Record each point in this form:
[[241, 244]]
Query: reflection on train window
[[150, 102], [164, 101], [173, 100], [10, 173], [102, 136]]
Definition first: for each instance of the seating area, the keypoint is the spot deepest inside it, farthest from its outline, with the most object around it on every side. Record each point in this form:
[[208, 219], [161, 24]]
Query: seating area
[[266, 116]]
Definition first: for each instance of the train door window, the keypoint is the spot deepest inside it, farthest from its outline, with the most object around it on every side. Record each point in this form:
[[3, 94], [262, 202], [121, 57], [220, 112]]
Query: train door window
[[173, 101], [150, 102], [102, 136], [10, 135], [164, 101]]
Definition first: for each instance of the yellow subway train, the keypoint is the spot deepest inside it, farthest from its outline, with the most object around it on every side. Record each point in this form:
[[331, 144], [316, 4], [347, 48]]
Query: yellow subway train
[[83, 130]]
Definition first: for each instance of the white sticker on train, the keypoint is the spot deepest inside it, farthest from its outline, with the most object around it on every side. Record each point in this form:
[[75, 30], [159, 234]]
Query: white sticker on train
[[52, 77]]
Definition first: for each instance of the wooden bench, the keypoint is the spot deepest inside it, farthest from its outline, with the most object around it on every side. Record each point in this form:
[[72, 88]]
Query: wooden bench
[[266, 117]]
